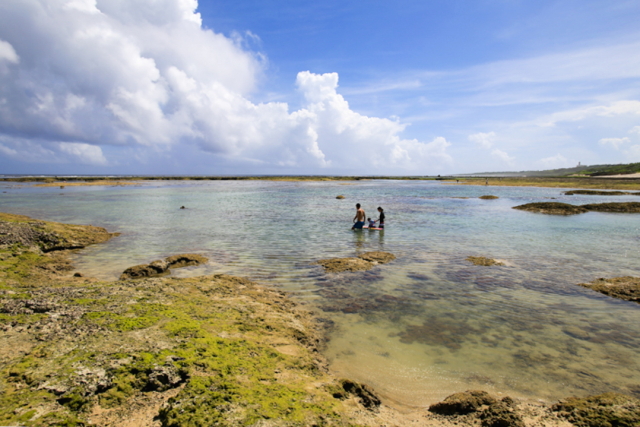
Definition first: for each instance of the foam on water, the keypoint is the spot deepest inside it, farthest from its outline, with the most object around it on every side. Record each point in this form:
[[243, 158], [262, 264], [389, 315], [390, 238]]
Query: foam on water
[[423, 327]]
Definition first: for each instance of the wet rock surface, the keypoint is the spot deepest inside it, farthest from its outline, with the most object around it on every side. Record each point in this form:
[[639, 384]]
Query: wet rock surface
[[556, 208], [604, 410], [626, 288], [488, 197], [483, 261], [363, 262], [162, 267], [601, 193], [552, 208]]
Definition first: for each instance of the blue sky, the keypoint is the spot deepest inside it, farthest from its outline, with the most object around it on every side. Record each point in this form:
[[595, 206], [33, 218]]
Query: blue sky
[[252, 87]]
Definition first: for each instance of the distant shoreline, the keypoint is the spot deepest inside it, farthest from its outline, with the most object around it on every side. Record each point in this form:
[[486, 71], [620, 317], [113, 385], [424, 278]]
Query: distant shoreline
[[604, 183]]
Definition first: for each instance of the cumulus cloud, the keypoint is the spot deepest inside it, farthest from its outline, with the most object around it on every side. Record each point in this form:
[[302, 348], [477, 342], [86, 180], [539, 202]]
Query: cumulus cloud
[[555, 162], [635, 129], [503, 156], [614, 142], [145, 73], [485, 140]]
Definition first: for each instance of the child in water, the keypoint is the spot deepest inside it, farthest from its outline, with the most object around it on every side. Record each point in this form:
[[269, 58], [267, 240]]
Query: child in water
[[372, 224]]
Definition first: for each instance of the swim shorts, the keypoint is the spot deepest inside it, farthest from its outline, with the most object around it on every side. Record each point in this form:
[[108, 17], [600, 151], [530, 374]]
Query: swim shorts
[[358, 225]]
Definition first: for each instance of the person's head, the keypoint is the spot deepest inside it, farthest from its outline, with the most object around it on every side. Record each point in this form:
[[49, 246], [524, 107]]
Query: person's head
[[380, 209], [368, 219], [357, 205]]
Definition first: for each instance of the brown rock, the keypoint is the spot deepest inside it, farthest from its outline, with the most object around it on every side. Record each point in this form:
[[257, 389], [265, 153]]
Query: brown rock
[[340, 197], [480, 260], [626, 288], [488, 197], [338, 265], [379, 257], [625, 207], [463, 403], [156, 268], [184, 260], [608, 409], [552, 208]]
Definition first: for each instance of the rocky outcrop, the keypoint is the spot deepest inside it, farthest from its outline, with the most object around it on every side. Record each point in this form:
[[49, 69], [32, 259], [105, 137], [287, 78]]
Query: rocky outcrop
[[48, 236], [480, 260], [608, 409], [555, 208], [552, 208], [162, 267], [488, 197], [363, 262], [492, 412], [626, 288], [600, 193], [340, 197]]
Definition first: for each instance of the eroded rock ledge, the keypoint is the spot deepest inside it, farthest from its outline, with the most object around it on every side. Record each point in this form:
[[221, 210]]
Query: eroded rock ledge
[[556, 208], [162, 267], [626, 288], [363, 262]]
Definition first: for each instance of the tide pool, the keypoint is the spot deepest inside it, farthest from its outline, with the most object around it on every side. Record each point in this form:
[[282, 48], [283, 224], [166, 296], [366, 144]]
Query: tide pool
[[422, 327]]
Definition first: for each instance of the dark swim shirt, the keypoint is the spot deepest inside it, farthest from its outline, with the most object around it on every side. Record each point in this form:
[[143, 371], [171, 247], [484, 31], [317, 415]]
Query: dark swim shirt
[[381, 219]]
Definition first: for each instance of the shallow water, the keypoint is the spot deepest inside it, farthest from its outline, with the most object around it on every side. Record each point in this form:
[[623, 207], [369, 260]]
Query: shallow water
[[423, 327]]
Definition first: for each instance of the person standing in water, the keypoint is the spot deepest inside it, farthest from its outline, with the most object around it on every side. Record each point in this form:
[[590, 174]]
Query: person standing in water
[[359, 218], [381, 217]]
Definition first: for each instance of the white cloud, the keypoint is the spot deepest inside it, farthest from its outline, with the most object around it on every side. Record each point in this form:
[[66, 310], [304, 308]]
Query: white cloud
[[85, 153], [501, 155], [635, 129], [614, 142], [613, 109], [633, 153], [485, 140], [8, 53], [145, 73], [555, 162]]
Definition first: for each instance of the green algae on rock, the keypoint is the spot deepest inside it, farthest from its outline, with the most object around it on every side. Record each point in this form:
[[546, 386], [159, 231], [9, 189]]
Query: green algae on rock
[[626, 288], [161, 267], [480, 260], [603, 410], [362, 262], [552, 208]]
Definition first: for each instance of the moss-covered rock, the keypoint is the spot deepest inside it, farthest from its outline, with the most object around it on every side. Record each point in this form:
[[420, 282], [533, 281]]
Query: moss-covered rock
[[626, 288], [480, 260], [552, 208], [488, 197], [363, 262], [621, 207], [603, 410]]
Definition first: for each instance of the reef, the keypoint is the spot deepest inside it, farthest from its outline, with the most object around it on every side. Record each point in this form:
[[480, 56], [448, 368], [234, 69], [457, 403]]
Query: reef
[[625, 288], [488, 197], [552, 208], [363, 262], [480, 260], [162, 267], [604, 410], [212, 350], [555, 208], [601, 193]]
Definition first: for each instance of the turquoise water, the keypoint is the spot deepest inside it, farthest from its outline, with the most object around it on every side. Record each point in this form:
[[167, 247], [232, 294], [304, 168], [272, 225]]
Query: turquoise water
[[428, 324]]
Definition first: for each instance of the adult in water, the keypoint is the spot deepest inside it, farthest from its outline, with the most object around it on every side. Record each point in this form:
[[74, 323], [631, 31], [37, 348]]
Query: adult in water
[[381, 217], [359, 218]]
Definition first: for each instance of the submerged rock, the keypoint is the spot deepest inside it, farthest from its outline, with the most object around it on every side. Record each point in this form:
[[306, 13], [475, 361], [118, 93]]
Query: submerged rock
[[185, 260], [363, 262], [552, 208], [480, 260], [488, 197], [603, 410], [340, 197], [626, 288]]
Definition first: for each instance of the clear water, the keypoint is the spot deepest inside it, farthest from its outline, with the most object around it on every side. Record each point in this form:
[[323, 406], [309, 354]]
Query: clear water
[[428, 324]]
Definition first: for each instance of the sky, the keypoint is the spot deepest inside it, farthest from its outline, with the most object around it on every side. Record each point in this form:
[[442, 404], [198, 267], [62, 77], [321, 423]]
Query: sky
[[411, 87]]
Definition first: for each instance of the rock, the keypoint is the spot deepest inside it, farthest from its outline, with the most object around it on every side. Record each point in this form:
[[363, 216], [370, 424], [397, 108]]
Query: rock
[[164, 378], [77, 274], [379, 257], [552, 208], [626, 288], [604, 410], [363, 262], [156, 268], [463, 403], [625, 207], [600, 193], [574, 332], [184, 260], [182, 207], [501, 414], [340, 197], [368, 399], [488, 197], [338, 265], [480, 260]]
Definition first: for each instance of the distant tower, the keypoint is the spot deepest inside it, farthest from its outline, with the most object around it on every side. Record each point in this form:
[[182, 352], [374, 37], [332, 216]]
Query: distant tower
[[578, 163]]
